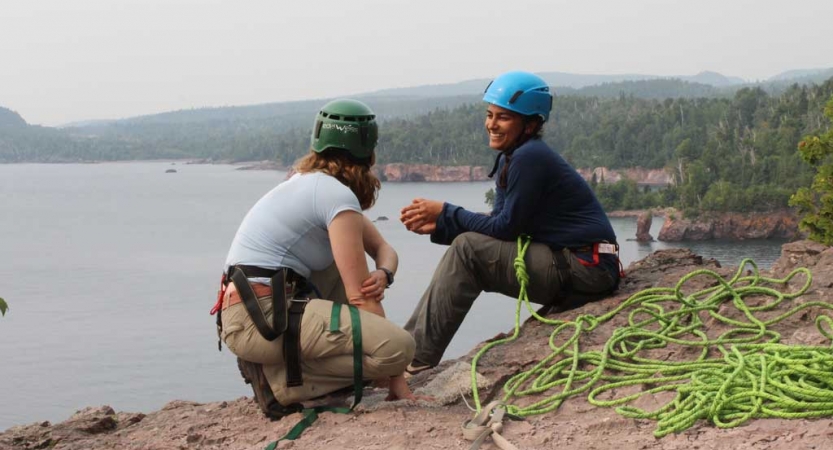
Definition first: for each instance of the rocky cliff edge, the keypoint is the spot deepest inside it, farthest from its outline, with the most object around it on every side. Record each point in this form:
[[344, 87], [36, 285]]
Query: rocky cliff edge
[[238, 424]]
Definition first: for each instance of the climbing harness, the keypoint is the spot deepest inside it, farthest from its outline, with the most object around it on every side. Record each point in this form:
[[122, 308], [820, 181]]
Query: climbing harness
[[310, 415], [290, 296], [742, 373], [289, 292]]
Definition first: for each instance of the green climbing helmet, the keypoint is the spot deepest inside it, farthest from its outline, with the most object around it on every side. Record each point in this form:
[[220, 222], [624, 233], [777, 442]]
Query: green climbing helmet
[[347, 125]]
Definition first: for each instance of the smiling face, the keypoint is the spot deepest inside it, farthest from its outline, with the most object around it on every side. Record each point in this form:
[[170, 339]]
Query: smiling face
[[504, 127]]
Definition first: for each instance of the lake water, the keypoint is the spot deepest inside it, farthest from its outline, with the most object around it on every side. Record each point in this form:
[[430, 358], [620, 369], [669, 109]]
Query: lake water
[[110, 270]]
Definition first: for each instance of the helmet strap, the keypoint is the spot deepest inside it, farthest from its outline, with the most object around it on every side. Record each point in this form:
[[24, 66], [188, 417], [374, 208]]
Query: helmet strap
[[520, 140], [497, 162]]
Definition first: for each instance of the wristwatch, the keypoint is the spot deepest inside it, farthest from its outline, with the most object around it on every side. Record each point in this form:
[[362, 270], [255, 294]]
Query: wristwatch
[[388, 274]]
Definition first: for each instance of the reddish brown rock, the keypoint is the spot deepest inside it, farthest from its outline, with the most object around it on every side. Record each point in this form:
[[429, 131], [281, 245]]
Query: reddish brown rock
[[239, 425], [643, 227], [402, 172], [755, 225], [643, 177], [426, 172]]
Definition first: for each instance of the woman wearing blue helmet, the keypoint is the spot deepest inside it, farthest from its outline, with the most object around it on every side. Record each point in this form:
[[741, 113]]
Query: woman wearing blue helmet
[[572, 258]]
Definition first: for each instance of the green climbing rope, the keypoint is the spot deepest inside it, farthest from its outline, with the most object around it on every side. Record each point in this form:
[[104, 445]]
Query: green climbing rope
[[736, 369]]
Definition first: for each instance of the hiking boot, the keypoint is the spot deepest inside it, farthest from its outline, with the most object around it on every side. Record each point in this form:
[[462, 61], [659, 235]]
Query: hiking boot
[[253, 374], [416, 367]]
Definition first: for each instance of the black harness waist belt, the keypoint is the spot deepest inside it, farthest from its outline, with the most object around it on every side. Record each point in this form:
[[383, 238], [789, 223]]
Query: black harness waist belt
[[286, 313], [279, 307]]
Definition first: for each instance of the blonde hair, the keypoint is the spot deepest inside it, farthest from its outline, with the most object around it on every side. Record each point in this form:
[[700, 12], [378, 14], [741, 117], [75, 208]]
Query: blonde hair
[[338, 164]]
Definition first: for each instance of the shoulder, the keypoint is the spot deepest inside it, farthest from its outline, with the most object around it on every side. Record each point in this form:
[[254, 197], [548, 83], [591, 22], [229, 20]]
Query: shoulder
[[534, 153], [319, 181], [533, 147], [331, 192]]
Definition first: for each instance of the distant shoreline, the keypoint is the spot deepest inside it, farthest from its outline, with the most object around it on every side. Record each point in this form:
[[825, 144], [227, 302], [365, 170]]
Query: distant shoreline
[[656, 212]]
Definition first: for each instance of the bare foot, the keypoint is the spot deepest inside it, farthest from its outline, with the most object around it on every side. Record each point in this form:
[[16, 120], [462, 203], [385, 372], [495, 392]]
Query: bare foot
[[399, 390]]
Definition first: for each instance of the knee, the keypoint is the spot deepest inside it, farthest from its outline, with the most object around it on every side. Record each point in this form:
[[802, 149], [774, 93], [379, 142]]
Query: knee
[[465, 246], [465, 241], [394, 354]]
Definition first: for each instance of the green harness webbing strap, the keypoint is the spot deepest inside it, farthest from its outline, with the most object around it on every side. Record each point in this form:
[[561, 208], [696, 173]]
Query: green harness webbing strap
[[310, 415]]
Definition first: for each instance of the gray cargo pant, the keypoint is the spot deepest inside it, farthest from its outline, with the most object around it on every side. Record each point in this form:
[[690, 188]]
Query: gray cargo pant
[[475, 263]]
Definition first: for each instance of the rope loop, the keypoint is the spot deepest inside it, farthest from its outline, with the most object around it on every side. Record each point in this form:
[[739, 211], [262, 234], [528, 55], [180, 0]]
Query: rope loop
[[734, 367]]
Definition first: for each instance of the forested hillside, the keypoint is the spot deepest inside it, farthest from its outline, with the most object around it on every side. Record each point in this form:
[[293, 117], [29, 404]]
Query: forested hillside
[[9, 118], [726, 153], [246, 133], [735, 153]]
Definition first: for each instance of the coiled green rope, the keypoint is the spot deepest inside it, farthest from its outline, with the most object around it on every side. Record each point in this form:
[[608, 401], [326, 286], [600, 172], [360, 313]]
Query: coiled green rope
[[740, 374]]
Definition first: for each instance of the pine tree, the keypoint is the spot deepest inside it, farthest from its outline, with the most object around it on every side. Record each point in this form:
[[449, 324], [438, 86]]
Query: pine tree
[[816, 202]]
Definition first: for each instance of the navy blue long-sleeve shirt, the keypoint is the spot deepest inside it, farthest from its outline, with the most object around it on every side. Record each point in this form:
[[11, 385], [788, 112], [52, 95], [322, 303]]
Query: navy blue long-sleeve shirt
[[544, 197]]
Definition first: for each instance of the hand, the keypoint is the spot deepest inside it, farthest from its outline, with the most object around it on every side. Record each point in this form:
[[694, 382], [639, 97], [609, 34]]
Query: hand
[[421, 215], [428, 228], [374, 286]]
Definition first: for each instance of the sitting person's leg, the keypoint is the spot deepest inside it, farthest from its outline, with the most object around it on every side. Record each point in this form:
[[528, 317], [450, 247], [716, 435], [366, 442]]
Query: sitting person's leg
[[327, 357], [472, 264], [588, 283]]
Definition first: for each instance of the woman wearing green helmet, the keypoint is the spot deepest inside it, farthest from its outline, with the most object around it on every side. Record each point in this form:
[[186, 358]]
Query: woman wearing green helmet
[[309, 236], [572, 258]]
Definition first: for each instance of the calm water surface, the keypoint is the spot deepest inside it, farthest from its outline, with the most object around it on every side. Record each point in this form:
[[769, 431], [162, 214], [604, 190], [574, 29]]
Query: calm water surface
[[110, 270]]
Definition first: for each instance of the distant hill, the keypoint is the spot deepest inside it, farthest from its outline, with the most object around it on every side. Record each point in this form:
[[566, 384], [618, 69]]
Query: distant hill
[[713, 79], [648, 89], [9, 118], [282, 115], [412, 101], [246, 133], [560, 80], [819, 75]]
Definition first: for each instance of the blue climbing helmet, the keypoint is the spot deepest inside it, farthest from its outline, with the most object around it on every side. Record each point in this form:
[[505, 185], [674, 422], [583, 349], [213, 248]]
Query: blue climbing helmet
[[522, 92]]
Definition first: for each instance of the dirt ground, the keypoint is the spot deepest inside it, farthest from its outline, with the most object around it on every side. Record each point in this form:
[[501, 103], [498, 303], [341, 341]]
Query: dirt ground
[[238, 424]]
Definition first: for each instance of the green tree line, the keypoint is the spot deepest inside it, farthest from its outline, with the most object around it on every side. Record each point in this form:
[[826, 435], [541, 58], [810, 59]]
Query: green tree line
[[725, 153]]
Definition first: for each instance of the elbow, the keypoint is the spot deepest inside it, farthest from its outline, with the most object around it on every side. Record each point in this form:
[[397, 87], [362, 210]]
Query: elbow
[[507, 232]]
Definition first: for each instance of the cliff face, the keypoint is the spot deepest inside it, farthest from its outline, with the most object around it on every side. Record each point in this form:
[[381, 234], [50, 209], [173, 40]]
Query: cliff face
[[403, 172], [778, 224], [399, 172], [642, 176]]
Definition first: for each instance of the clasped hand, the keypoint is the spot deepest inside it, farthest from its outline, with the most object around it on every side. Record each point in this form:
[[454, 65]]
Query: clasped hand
[[421, 215], [373, 288]]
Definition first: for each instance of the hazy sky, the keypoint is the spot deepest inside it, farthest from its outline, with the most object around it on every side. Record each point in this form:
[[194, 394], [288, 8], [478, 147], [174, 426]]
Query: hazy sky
[[70, 60]]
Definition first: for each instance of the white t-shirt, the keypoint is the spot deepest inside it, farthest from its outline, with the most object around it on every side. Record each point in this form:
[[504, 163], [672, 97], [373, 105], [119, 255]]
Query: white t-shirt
[[287, 227]]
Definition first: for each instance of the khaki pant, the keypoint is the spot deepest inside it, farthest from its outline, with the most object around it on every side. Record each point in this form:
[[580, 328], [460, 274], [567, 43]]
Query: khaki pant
[[475, 263], [326, 357]]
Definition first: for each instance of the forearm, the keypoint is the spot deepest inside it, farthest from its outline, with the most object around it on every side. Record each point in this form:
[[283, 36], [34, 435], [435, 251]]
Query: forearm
[[386, 258], [375, 245]]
